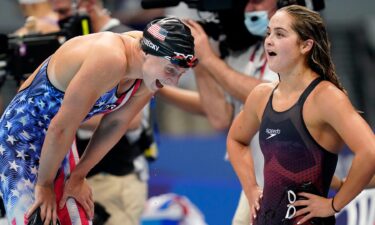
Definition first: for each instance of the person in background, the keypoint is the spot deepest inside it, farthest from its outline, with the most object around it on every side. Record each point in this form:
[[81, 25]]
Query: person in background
[[40, 18], [130, 12], [301, 130], [223, 85]]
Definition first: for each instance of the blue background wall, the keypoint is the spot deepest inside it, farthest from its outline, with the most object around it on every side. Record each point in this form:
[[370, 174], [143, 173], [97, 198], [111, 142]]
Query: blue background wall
[[194, 166]]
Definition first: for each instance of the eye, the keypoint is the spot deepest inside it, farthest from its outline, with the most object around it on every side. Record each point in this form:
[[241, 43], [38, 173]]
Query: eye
[[171, 71], [280, 35]]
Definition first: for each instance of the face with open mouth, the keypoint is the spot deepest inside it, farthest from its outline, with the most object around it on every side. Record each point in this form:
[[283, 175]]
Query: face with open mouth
[[158, 84], [158, 72], [282, 44]]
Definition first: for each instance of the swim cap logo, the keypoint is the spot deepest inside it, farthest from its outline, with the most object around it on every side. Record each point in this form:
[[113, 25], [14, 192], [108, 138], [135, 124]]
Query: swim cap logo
[[151, 45], [185, 56], [158, 32]]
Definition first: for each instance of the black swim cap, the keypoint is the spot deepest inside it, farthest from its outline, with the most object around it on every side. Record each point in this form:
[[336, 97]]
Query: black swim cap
[[170, 38]]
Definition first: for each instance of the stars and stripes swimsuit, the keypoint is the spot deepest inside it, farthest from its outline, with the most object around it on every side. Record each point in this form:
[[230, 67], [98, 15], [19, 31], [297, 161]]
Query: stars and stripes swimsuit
[[23, 127]]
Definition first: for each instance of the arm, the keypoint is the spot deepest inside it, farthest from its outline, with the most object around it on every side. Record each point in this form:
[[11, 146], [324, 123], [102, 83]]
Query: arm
[[213, 100], [337, 112], [109, 131], [208, 101], [337, 183], [184, 99], [235, 83], [80, 95], [93, 122], [356, 133], [243, 128], [372, 183]]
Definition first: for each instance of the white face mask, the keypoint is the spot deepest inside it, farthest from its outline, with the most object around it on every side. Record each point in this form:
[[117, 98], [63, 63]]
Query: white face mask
[[257, 22], [27, 2]]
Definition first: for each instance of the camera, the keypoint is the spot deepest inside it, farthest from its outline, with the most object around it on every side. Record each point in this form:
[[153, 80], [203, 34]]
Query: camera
[[21, 55], [315, 5], [212, 28], [202, 5]]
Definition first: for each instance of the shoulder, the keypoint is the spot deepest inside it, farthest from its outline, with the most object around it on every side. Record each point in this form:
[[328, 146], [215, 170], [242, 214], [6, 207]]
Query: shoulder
[[258, 98], [330, 100], [133, 34], [108, 48], [262, 91], [103, 53], [327, 93], [109, 40], [102, 41]]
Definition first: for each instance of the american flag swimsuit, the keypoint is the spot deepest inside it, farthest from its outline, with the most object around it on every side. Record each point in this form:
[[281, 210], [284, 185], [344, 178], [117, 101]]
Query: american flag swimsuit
[[23, 128]]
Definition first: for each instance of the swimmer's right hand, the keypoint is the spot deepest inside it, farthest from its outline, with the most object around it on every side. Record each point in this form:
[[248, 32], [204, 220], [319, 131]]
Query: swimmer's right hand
[[45, 199], [254, 196]]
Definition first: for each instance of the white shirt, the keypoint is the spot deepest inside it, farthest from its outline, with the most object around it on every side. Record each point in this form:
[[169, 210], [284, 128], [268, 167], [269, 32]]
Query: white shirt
[[252, 62]]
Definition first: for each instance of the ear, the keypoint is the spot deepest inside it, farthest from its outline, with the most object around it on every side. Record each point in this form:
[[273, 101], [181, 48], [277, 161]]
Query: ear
[[306, 46], [144, 55]]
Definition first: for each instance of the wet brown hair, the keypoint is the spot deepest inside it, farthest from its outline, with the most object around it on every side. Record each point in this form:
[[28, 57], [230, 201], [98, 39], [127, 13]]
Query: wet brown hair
[[309, 25]]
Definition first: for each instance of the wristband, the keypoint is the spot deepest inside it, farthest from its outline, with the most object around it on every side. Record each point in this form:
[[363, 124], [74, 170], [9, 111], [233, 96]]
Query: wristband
[[333, 207]]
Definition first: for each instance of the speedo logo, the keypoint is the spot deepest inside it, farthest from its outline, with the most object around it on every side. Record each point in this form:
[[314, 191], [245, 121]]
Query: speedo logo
[[149, 44], [272, 132]]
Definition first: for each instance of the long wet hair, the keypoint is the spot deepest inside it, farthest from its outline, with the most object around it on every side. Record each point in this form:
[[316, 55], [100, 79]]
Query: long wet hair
[[309, 25]]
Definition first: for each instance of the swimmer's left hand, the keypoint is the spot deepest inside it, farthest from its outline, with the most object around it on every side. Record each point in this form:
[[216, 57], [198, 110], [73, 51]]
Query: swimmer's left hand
[[314, 206], [79, 189]]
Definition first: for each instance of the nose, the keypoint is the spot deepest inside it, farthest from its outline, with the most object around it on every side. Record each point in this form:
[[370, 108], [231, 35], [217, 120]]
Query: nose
[[268, 40]]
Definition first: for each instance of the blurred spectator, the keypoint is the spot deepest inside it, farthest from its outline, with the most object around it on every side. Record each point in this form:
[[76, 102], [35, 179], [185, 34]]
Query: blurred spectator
[[40, 18], [224, 84], [130, 12]]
